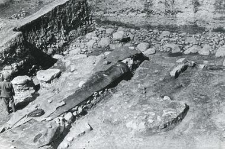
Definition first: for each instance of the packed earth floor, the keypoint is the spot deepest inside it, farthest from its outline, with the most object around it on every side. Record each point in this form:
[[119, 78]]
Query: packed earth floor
[[174, 98]]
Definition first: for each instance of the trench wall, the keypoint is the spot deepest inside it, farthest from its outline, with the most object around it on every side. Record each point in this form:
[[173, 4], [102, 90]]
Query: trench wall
[[37, 37], [205, 13]]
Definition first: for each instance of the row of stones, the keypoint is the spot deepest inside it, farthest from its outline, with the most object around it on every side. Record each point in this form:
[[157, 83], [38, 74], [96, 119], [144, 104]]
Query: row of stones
[[76, 113], [150, 40]]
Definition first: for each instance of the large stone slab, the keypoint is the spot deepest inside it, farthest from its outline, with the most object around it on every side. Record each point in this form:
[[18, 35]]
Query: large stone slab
[[32, 134], [115, 56], [48, 75]]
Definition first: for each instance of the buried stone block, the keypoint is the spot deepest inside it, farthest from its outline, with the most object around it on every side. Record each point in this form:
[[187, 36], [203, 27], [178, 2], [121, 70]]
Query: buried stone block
[[181, 68], [47, 75], [105, 76], [96, 82]]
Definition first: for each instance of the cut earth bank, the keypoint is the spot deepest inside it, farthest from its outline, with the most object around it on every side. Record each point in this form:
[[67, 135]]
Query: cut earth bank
[[171, 97]]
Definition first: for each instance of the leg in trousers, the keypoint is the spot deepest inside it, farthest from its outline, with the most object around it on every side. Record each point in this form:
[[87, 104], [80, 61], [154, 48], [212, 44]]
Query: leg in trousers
[[12, 104], [6, 100]]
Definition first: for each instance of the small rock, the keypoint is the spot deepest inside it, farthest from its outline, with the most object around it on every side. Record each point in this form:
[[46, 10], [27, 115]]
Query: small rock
[[106, 62], [190, 64], [68, 117], [143, 46], [193, 49], [104, 42], [131, 124], [70, 139], [174, 48], [107, 53], [75, 113], [224, 63], [201, 66], [81, 84], [57, 56], [81, 129], [220, 52], [48, 119], [205, 50], [50, 101], [150, 51], [166, 98], [80, 110], [72, 68], [177, 70], [181, 60], [64, 145], [119, 35], [129, 62], [61, 103]]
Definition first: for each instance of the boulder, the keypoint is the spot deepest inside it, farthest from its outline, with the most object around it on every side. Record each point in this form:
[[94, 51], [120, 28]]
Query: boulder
[[90, 44], [48, 75], [114, 46], [33, 134], [192, 50], [220, 52], [119, 35], [143, 46], [177, 70], [104, 42], [90, 35], [191, 40], [150, 51], [181, 68], [109, 30], [24, 88], [21, 80], [164, 34], [174, 48], [68, 117], [75, 51], [205, 50]]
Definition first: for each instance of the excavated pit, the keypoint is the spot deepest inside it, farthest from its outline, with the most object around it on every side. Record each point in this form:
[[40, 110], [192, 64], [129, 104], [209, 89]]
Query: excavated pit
[[118, 96]]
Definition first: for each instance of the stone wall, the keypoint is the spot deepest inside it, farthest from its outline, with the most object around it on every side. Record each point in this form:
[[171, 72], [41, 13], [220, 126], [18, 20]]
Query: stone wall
[[54, 29]]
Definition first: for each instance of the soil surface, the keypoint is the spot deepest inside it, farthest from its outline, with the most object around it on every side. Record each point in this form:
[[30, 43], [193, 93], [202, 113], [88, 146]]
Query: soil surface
[[116, 121]]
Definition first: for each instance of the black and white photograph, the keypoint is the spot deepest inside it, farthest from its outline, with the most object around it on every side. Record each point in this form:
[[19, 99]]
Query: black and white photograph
[[112, 74]]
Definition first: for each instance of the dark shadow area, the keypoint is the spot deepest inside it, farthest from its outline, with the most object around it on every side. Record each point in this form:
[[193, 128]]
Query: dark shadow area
[[219, 29], [21, 105], [41, 58], [175, 54], [192, 29]]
